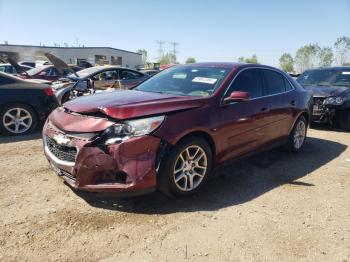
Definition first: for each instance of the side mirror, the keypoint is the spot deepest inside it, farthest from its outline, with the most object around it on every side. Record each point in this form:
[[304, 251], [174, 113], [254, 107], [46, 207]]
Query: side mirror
[[42, 73], [237, 96]]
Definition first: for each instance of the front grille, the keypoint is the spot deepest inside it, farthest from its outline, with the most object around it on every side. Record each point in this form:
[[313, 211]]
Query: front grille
[[63, 153]]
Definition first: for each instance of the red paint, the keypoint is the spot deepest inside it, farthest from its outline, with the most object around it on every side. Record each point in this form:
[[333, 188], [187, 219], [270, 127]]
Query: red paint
[[234, 129]]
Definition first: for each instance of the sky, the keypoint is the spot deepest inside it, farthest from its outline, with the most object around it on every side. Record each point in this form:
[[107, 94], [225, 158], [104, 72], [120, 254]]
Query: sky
[[216, 30]]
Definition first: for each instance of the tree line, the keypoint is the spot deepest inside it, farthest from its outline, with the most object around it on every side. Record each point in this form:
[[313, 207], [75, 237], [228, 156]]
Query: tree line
[[312, 56], [306, 57]]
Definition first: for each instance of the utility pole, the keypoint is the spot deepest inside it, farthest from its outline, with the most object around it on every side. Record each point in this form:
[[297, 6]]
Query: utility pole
[[160, 49], [174, 44]]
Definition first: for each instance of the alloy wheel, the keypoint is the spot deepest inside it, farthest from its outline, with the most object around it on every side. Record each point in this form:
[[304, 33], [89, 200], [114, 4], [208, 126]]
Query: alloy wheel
[[299, 134], [17, 120], [190, 168]]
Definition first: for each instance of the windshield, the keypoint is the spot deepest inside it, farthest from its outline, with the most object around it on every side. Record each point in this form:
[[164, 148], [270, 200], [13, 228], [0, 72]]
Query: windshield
[[185, 81], [325, 77]]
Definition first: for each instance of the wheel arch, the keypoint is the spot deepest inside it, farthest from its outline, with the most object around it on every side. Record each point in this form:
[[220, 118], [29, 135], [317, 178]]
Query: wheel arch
[[205, 136]]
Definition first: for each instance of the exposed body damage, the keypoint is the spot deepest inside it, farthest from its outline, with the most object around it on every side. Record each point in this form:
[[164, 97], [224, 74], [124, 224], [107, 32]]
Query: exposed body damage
[[330, 88], [173, 129], [125, 167]]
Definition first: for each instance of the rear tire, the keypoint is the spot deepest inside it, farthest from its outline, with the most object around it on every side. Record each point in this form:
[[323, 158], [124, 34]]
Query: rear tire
[[297, 136], [186, 168], [344, 120], [17, 119]]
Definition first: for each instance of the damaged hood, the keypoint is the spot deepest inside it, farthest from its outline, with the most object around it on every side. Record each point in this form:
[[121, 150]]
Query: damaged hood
[[128, 104], [325, 91]]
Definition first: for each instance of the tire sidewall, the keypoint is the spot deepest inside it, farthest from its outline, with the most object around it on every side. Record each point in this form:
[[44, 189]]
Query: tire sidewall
[[3, 110], [166, 182], [291, 137]]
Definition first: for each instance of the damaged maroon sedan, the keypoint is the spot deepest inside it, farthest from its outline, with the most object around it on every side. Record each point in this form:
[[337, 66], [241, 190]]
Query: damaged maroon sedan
[[172, 130]]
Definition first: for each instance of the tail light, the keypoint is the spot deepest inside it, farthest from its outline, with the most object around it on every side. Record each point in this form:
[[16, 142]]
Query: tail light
[[49, 91]]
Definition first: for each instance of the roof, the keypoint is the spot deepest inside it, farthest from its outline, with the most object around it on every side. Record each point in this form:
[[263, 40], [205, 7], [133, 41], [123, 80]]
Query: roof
[[64, 47], [331, 68]]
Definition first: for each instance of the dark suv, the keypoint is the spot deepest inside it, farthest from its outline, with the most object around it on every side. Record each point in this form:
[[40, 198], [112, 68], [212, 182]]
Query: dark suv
[[171, 130]]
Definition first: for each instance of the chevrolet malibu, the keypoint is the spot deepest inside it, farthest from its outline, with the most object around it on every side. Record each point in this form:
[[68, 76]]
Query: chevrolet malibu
[[172, 130]]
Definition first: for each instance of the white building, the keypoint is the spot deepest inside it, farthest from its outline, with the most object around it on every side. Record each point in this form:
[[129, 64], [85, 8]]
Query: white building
[[75, 55]]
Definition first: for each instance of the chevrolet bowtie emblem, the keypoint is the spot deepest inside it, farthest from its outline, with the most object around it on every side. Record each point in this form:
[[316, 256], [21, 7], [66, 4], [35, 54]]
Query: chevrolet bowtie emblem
[[61, 139]]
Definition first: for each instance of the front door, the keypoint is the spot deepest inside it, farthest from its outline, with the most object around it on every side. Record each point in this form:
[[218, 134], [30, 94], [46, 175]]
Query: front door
[[244, 124]]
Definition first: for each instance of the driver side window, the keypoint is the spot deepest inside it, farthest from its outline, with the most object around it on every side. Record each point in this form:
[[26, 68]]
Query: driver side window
[[249, 81]]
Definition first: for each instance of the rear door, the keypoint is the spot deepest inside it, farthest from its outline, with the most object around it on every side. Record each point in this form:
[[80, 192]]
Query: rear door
[[244, 124], [282, 99]]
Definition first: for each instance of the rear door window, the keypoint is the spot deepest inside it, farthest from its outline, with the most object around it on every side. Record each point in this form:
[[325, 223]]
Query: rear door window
[[128, 75], [274, 82]]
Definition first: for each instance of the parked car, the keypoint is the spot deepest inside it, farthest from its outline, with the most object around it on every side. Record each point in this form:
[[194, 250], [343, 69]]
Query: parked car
[[48, 72], [331, 93], [171, 130], [27, 63], [23, 104], [9, 69], [96, 79], [150, 72]]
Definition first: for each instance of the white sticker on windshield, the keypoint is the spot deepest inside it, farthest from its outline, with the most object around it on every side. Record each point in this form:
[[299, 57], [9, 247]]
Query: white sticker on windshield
[[205, 80], [345, 73]]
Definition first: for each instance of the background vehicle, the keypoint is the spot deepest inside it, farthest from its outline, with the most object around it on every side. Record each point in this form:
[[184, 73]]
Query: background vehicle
[[172, 129], [330, 88], [95, 79], [48, 72], [150, 72], [23, 104], [9, 69], [27, 63]]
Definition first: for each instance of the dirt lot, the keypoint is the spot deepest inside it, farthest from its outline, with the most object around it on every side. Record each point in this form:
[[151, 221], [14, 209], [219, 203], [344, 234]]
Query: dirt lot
[[274, 206]]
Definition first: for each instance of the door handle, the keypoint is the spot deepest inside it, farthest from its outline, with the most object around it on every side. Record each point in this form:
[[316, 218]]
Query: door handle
[[264, 109], [292, 103]]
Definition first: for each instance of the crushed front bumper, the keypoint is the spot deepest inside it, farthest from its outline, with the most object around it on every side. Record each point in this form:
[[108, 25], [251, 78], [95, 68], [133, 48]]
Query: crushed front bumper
[[127, 168]]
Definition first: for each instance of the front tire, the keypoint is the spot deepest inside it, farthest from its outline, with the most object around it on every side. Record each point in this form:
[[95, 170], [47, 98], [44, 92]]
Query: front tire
[[297, 136], [17, 119], [186, 168]]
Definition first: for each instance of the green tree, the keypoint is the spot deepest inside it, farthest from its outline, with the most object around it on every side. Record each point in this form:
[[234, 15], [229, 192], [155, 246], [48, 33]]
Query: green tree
[[191, 60], [241, 59], [306, 57], [342, 48], [144, 54], [166, 59], [325, 56], [252, 60], [287, 62]]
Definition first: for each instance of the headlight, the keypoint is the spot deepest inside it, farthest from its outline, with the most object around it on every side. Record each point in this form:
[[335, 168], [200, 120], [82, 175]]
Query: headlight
[[333, 100], [127, 129]]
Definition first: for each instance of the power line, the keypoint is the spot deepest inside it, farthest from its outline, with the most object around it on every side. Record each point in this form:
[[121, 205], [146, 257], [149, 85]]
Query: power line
[[174, 44], [160, 49]]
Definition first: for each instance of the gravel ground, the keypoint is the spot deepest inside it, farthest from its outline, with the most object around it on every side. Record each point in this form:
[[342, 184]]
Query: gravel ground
[[271, 207]]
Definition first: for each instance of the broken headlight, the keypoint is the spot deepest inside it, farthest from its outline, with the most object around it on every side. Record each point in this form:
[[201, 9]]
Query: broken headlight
[[138, 127], [333, 100]]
